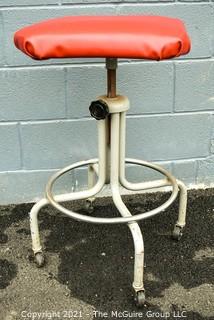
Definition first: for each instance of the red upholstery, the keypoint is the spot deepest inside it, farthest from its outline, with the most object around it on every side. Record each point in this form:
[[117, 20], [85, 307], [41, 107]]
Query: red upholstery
[[146, 37]]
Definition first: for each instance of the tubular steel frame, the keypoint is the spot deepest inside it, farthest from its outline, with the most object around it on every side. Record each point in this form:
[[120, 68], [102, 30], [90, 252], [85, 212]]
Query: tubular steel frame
[[110, 169]]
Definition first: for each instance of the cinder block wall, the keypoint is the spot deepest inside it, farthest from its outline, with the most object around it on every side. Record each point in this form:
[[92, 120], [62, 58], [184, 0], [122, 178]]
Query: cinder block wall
[[44, 118]]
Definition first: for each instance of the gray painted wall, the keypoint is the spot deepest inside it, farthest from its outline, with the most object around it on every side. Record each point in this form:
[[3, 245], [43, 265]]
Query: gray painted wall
[[44, 119]]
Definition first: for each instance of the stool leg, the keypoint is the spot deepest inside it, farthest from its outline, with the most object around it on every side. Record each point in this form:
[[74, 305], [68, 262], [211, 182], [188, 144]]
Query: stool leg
[[91, 176], [34, 228], [180, 224], [91, 183], [36, 245], [178, 229], [93, 170], [134, 227]]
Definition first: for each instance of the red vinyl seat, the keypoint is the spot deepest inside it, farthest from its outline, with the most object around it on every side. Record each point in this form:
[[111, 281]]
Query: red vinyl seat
[[146, 37]]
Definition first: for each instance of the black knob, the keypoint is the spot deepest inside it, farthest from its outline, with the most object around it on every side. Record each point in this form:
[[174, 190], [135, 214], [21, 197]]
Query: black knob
[[99, 109]]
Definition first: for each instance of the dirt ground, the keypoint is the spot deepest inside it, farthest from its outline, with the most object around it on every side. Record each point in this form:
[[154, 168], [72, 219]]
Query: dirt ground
[[89, 269]]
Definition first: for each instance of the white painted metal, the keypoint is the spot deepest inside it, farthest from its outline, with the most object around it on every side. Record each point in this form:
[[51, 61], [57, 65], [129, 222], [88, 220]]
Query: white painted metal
[[84, 194], [182, 204], [36, 245], [34, 227], [103, 155], [136, 186], [114, 181], [92, 179], [61, 198], [117, 104], [110, 168], [108, 147], [95, 168], [150, 184]]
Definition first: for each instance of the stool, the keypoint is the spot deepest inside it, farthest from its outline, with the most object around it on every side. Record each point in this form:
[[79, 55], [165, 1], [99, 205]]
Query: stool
[[111, 37]]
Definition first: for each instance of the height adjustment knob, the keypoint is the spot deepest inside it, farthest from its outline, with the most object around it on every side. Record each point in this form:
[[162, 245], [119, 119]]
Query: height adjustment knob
[[99, 109]]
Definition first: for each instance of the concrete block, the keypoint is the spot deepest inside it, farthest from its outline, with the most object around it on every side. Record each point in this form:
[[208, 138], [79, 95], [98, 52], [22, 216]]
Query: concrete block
[[30, 185], [185, 171], [16, 3], [206, 171], [9, 147], [194, 86], [15, 19], [83, 85], [137, 174], [133, 174], [169, 137], [212, 136], [149, 87], [191, 0], [199, 26], [32, 94], [212, 32], [42, 97], [107, 1], [55, 144], [81, 179], [1, 40], [212, 45]]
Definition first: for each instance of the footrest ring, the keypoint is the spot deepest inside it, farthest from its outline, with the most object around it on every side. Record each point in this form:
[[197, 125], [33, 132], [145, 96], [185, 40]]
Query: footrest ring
[[97, 220]]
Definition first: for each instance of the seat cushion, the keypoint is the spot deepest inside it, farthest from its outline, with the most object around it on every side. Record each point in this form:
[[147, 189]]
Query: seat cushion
[[141, 37]]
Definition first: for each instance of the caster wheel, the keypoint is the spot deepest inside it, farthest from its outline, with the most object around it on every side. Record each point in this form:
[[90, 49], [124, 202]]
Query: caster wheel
[[39, 259], [89, 206], [177, 233], [140, 298]]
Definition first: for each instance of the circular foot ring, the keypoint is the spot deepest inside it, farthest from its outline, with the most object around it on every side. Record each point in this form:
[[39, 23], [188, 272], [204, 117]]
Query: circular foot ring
[[98, 220]]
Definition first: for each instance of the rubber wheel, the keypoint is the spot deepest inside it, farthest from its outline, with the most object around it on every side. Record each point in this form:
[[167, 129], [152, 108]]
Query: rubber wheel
[[177, 233], [89, 206], [39, 259], [140, 298]]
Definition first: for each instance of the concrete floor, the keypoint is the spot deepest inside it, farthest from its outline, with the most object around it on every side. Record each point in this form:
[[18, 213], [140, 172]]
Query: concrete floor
[[89, 268]]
